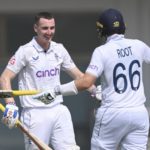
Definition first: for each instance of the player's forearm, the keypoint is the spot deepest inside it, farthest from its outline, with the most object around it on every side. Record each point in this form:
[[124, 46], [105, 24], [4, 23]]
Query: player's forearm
[[89, 89], [75, 73], [5, 84], [73, 87]]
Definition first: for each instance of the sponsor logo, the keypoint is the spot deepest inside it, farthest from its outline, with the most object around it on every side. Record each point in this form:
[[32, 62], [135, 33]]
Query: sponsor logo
[[94, 67], [35, 58], [12, 60], [48, 73]]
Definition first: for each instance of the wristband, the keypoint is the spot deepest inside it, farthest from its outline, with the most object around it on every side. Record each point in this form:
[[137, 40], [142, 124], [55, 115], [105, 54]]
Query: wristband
[[66, 89]]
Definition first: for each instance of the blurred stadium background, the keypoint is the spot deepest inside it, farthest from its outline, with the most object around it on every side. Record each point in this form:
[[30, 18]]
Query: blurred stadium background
[[75, 28]]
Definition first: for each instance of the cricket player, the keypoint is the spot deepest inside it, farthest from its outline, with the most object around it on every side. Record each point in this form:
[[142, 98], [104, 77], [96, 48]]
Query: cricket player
[[38, 65], [122, 120]]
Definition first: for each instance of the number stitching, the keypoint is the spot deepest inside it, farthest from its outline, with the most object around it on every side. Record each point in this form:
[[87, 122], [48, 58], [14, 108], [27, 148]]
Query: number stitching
[[132, 74]]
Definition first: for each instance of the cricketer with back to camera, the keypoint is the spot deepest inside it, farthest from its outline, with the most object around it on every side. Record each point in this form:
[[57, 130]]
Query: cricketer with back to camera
[[38, 64], [122, 120]]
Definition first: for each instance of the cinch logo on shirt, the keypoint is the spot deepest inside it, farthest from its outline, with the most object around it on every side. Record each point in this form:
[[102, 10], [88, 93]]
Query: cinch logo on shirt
[[47, 73], [94, 67]]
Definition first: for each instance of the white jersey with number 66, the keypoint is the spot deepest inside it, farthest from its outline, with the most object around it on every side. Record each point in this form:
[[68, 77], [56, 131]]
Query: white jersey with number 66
[[119, 63]]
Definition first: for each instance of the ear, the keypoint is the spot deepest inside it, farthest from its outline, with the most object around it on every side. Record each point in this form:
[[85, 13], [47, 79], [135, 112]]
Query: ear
[[35, 27]]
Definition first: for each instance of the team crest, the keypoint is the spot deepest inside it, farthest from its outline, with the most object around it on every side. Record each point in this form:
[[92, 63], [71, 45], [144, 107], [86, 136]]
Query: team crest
[[12, 60]]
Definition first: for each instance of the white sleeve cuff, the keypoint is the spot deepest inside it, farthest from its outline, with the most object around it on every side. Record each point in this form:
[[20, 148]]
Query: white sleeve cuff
[[68, 89]]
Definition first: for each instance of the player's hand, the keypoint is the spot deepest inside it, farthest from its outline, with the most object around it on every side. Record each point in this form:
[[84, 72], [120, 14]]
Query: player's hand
[[10, 115], [46, 97], [97, 93]]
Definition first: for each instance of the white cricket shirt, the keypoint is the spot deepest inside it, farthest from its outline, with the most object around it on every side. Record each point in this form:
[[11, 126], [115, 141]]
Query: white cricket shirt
[[119, 63], [39, 70]]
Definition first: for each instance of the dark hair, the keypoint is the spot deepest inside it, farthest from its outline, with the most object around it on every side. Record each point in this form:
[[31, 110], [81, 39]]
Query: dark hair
[[45, 15]]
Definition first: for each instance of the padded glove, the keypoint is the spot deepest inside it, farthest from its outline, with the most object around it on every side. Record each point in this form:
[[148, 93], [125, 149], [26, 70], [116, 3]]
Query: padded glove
[[46, 97], [97, 93], [10, 115]]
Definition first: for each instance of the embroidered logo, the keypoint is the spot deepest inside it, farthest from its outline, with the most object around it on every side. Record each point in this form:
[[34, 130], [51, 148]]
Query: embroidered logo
[[48, 73], [35, 58], [12, 60]]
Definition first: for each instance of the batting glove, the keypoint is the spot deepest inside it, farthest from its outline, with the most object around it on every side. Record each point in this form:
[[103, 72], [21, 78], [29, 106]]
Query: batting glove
[[46, 97], [97, 93], [10, 115]]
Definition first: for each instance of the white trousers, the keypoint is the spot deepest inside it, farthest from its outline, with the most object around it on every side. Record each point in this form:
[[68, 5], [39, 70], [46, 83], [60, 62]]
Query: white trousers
[[120, 128], [52, 125]]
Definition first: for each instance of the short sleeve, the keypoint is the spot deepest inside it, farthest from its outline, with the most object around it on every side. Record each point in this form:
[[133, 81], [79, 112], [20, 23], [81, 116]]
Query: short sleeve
[[17, 61], [96, 64], [67, 63], [146, 53]]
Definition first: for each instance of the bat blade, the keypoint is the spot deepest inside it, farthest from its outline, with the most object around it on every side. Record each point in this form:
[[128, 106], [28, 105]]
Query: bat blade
[[40, 144], [12, 93]]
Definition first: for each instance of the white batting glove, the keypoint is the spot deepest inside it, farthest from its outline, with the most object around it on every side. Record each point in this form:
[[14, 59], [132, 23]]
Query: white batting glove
[[46, 97], [10, 115], [97, 93]]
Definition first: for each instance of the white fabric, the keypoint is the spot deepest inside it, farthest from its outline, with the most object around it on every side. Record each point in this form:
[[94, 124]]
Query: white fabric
[[128, 126], [98, 93], [73, 147], [39, 70], [55, 124], [68, 89], [119, 63]]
